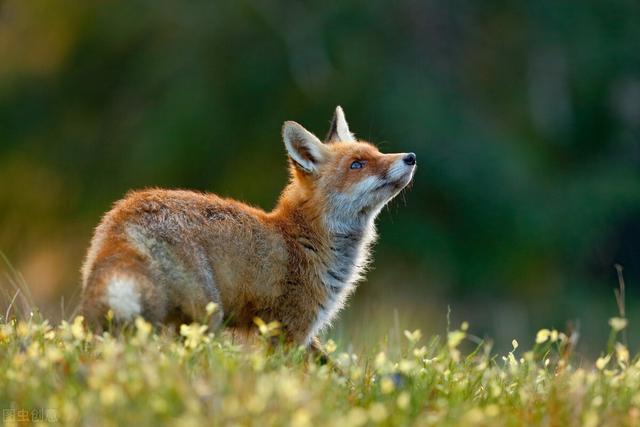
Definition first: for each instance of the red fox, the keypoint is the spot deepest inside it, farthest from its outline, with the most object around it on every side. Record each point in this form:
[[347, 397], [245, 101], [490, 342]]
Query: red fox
[[165, 254]]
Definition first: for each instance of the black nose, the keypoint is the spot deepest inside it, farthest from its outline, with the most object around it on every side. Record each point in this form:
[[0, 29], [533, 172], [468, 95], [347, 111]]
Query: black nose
[[410, 159]]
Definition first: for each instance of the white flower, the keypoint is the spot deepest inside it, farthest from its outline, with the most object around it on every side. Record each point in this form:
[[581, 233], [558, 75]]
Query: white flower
[[618, 323]]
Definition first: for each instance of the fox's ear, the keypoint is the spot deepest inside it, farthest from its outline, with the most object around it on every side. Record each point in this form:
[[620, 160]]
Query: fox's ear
[[304, 148], [339, 129]]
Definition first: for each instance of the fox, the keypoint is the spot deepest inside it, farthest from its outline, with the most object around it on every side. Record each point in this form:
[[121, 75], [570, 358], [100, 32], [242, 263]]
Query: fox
[[164, 254]]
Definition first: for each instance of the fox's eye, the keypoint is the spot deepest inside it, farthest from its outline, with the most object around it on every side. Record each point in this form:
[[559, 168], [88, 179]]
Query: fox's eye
[[357, 165]]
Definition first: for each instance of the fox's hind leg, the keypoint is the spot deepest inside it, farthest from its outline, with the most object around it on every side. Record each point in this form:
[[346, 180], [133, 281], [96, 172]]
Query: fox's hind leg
[[121, 281], [193, 285], [194, 300]]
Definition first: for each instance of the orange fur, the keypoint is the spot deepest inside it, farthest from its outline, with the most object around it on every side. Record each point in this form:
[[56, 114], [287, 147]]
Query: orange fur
[[163, 254]]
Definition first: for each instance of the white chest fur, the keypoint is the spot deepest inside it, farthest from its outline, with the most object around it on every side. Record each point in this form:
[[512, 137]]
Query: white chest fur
[[349, 257]]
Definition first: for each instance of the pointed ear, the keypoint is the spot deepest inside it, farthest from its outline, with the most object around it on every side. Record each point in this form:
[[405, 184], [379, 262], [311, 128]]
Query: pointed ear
[[304, 148], [339, 129]]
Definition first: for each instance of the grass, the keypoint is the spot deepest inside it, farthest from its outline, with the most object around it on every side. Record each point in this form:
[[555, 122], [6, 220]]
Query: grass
[[144, 377]]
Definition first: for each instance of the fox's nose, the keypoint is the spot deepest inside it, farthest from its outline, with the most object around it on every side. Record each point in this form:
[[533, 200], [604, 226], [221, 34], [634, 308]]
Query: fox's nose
[[409, 159]]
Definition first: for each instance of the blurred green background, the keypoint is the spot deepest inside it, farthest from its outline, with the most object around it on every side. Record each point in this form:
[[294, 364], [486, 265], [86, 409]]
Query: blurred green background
[[525, 117]]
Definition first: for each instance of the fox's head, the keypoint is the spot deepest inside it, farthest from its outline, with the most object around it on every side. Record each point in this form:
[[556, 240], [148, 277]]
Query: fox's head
[[347, 179]]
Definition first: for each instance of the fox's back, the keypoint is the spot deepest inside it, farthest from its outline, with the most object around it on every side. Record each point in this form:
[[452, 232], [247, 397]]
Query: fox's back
[[191, 242]]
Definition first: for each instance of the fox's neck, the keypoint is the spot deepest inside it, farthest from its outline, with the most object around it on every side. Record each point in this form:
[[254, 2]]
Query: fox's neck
[[349, 256], [338, 243]]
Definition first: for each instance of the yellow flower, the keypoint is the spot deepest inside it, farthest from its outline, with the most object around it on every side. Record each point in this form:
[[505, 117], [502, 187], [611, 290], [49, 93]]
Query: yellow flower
[[622, 353], [33, 351], [542, 336], [270, 329], [22, 330], [143, 329], [257, 361], [474, 416], [194, 334], [514, 343], [289, 387], [420, 352], [378, 412], [53, 354], [110, 394], [301, 418], [77, 328], [5, 332], [492, 410], [406, 366], [414, 336], [211, 307], [357, 417], [590, 418], [618, 323], [403, 400], [386, 385], [330, 346], [454, 338], [602, 362], [356, 373]]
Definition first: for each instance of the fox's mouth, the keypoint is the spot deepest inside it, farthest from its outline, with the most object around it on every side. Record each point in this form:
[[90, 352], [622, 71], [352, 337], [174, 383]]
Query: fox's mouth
[[396, 184]]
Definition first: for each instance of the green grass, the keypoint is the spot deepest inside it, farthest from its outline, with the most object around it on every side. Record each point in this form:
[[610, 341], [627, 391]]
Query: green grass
[[143, 377]]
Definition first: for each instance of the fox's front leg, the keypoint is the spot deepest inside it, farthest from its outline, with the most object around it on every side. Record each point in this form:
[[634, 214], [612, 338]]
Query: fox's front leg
[[314, 349], [317, 352], [297, 324], [320, 355]]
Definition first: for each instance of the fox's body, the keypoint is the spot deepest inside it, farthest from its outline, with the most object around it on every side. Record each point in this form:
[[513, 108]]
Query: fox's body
[[165, 254]]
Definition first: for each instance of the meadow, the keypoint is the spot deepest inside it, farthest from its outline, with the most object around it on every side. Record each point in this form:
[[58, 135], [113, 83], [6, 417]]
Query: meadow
[[525, 118], [142, 376]]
